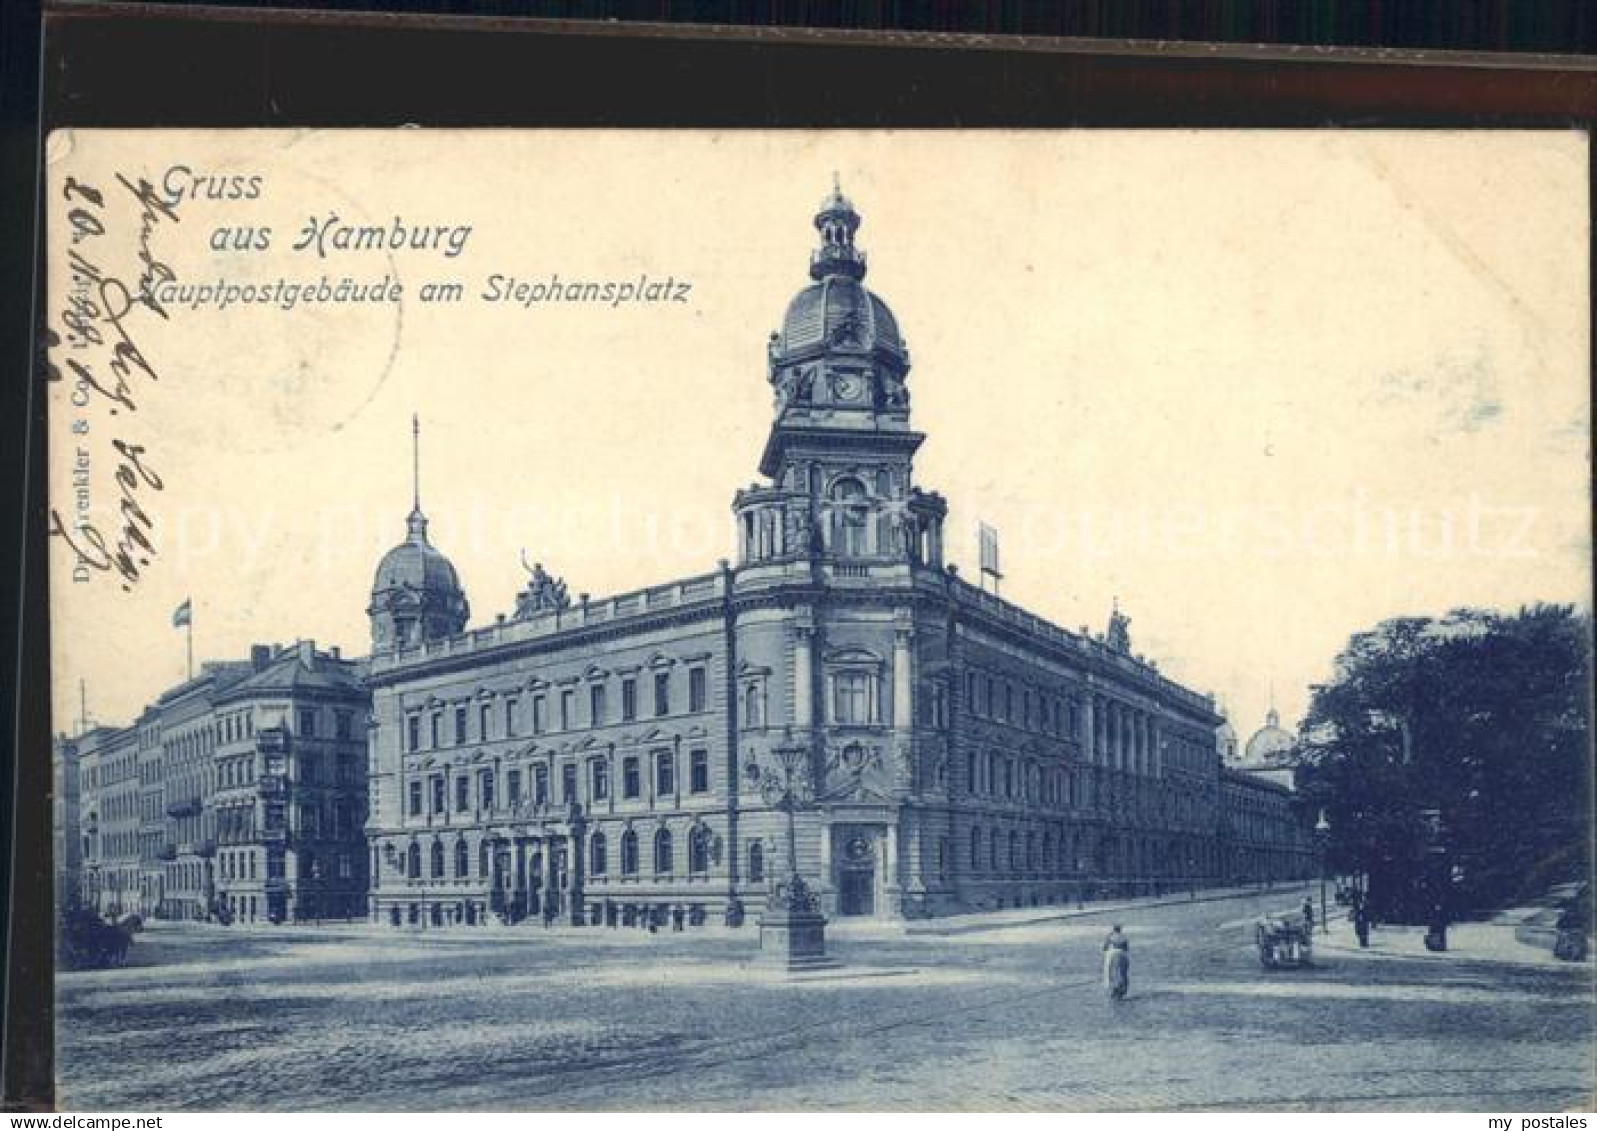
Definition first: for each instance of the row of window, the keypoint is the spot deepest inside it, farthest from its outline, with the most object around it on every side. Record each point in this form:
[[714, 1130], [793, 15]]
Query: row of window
[[998, 775], [537, 783], [700, 843], [565, 704], [989, 697], [343, 723]]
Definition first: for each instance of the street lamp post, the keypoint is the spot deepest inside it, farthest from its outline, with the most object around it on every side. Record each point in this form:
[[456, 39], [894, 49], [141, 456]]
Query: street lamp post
[[792, 929], [1322, 834]]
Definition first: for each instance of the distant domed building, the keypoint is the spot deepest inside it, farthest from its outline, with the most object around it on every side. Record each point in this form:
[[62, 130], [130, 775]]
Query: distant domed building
[[1267, 753]]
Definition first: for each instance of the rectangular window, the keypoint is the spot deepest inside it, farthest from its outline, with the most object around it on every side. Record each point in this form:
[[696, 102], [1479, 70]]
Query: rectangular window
[[568, 782], [341, 723], [538, 720], [513, 787], [415, 799], [540, 785], [601, 780], [437, 721], [484, 711], [307, 769], [510, 717], [568, 704], [596, 705], [462, 793], [662, 693], [631, 786], [698, 687], [629, 699], [438, 793], [699, 771], [460, 725], [307, 723], [485, 788], [665, 778], [851, 698]]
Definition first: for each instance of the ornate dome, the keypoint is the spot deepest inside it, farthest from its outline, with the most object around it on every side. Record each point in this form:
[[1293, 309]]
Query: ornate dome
[[416, 563], [1269, 742], [836, 311], [839, 311]]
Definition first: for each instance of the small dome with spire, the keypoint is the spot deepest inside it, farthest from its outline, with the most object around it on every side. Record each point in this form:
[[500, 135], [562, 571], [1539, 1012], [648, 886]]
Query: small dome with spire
[[1268, 743], [416, 593]]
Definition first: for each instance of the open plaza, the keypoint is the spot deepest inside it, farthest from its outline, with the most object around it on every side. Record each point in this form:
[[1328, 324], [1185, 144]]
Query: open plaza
[[998, 1011]]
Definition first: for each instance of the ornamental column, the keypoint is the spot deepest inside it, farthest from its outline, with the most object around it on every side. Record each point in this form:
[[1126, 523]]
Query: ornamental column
[[803, 670], [577, 869], [903, 681]]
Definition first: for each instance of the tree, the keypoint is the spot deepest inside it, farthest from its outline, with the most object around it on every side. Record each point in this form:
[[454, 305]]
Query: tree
[[1452, 757]]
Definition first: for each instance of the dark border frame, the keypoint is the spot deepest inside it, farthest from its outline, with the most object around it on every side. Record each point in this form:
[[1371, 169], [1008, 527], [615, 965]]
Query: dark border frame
[[139, 65]]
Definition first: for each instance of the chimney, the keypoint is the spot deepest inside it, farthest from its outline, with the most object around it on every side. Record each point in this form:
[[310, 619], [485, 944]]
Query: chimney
[[335, 652], [307, 653], [260, 656]]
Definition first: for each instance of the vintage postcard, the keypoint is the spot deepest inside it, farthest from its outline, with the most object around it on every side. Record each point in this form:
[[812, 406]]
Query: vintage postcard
[[788, 620]]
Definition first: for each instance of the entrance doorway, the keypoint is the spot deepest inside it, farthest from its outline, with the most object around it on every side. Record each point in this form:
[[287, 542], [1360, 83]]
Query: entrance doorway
[[856, 893]]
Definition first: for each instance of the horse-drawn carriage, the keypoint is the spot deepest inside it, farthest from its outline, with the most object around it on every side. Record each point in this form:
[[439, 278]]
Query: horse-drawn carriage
[[88, 942], [1284, 941]]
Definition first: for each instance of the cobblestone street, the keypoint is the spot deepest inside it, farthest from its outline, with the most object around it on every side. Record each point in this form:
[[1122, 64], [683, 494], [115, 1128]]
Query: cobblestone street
[[954, 1016]]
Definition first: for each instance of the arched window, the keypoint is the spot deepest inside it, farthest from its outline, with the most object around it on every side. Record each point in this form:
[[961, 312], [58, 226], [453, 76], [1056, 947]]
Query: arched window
[[629, 853], [438, 860], [462, 859], [849, 511], [598, 855], [699, 851], [663, 861], [756, 862], [753, 716], [970, 776]]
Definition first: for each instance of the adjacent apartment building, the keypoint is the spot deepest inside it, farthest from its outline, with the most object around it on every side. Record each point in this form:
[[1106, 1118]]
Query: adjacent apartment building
[[239, 794]]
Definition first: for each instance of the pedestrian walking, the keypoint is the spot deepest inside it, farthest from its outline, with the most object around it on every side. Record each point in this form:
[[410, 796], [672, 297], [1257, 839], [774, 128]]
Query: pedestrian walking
[[1117, 964], [1308, 914], [1361, 922]]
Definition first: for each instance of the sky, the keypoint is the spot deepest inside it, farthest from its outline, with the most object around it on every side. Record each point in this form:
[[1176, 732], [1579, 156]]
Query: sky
[[1264, 389]]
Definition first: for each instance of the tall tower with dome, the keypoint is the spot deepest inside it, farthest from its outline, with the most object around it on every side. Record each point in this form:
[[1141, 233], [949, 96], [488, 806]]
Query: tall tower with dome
[[840, 449]]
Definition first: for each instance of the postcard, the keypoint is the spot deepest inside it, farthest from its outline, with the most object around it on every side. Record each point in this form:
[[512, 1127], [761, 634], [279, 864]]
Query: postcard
[[792, 620]]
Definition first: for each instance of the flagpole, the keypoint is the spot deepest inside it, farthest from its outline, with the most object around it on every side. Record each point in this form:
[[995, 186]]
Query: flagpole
[[189, 637]]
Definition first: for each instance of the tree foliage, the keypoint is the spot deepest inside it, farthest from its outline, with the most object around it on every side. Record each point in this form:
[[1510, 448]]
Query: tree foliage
[[1452, 757]]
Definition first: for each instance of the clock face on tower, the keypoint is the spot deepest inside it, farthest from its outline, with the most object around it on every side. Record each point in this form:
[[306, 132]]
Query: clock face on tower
[[847, 386]]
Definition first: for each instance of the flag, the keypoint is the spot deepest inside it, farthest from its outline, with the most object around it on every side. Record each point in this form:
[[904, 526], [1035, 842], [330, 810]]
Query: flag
[[989, 550], [183, 614]]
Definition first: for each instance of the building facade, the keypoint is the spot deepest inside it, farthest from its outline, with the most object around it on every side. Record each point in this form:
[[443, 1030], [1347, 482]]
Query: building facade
[[623, 759], [239, 794]]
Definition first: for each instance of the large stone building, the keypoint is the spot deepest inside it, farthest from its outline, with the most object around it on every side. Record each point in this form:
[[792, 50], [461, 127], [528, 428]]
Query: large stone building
[[623, 757], [239, 793]]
